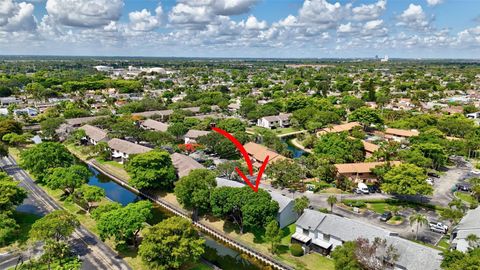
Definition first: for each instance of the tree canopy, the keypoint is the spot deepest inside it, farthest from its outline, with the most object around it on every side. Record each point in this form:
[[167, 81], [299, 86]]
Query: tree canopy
[[339, 148], [153, 169], [406, 179], [170, 244], [44, 156], [68, 178], [193, 191]]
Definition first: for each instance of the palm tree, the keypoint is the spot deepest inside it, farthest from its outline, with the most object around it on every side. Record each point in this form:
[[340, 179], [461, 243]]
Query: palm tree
[[473, 240], [419, 220], [458, 204], [332, 199]]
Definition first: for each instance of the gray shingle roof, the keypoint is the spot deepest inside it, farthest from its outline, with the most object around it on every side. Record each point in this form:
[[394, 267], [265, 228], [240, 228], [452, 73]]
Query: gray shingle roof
[[127, 147], [82, 120], [184, 164], [413, 256], [95, 133], [156, 125], [193, 133]]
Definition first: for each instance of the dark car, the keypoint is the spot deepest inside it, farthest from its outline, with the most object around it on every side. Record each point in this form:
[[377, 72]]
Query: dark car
[[463, 187], [432, 174], [374, 189], [386, 216]]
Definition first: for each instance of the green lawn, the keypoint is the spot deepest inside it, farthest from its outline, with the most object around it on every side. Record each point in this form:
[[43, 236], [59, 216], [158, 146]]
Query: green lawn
[[465, 197], [444, 243], [278, 131], [378, 207]]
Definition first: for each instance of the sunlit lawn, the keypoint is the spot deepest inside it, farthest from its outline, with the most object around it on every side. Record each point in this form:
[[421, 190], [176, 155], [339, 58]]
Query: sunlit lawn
[[465, 197]]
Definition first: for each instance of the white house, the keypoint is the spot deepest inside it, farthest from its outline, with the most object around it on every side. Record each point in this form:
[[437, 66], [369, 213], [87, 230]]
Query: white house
[[324, 232], [122, 149], [275, 121], [286, 214], [94, 135], [470, 224]]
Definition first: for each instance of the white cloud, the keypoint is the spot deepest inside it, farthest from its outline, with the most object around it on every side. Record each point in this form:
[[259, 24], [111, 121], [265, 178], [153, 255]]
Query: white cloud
[[144, 20], [434, 2], [17, 16], [345, 28], [85, 13], [414, 17], [253, 24], [369, 12], [190, 15], [370, 25], [233, 7], [322, 13]]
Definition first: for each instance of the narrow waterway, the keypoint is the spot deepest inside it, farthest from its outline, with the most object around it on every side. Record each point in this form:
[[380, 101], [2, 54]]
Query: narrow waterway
[[297, 152], [216, 253]]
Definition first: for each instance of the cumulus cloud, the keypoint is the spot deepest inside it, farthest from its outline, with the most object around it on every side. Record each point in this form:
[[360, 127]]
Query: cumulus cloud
[[321, 12], [375, 24], [144, 20], [369, 12], [345, 28], [17, 16], [434, 2], [414, 17], [253, 24], [84, 13]]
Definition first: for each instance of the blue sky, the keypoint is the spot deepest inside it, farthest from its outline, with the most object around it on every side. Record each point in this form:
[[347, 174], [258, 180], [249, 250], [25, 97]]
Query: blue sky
[[242, 28]]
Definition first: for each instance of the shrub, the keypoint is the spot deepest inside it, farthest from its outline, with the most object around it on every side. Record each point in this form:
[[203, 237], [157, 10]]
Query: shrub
[[324, 210], [473, 205], [358, 204], [296, 250]]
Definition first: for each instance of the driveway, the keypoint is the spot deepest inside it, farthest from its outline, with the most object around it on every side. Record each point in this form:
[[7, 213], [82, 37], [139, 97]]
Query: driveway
[[443, 185]]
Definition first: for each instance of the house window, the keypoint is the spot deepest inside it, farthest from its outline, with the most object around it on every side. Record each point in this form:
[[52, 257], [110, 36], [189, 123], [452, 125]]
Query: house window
[[305, 231], [326, 237]]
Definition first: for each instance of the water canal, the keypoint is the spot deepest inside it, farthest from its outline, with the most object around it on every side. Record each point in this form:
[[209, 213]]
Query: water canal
[[216, 253]]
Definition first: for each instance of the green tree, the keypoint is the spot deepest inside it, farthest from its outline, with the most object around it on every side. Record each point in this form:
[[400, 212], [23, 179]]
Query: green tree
[[366, 116], [90, 194], [42, 157], [11, 194], [10, 126], [247, 209], [339, 148], [124, 224], [177, 130], [457, 260], [193, 191], [153, 169], [8, 228], [67, 179], [332, 200], [285, 173], [50, 125], [104, 208], [344, 257], [171, 244], [232, 125], [452, 215], [406, 179], [58, 225], [273, 235], [301, 203], [419, 220], [473, 240]]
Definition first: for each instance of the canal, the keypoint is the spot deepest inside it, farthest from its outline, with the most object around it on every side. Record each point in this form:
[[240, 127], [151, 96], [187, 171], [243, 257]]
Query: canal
[[297, 152], [216, 253]]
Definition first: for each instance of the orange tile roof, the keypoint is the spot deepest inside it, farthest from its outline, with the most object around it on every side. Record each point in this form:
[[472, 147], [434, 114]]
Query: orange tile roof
[[260, 152], [401, 132], [364, 167]]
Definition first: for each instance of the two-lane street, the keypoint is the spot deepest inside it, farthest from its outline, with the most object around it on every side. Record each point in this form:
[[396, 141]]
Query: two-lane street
[[94, 253]]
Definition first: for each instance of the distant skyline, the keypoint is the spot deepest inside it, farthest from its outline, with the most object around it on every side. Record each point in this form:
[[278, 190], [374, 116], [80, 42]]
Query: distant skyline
[[242, 28]]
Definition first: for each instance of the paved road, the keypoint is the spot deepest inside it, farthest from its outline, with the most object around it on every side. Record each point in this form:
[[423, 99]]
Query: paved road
[[93, 252]]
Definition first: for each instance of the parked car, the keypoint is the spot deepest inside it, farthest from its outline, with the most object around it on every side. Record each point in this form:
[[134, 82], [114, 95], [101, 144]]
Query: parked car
[[357, 191], [432, 174], [386, 216], [463, 187], [363, 188], [438, 227], [475, 171], [430, 181], [374, 189]]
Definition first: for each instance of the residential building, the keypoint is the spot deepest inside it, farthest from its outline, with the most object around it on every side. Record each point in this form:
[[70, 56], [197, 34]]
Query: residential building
[[5, 101], [275, 121], [184, 164], [339, 128], [400, 135], [258, 153], [470, 224], [151, 124], [94, 135], [286, 213], [122, 149], [321, 232], [193, 134], [360, 172], [163, 115], [77, 122], [26, 111], [370, 148]]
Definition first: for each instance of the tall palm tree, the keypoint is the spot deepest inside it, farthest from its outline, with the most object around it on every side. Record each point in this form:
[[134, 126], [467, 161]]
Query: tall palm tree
[[332, 199], [419, 220], [473, 240]]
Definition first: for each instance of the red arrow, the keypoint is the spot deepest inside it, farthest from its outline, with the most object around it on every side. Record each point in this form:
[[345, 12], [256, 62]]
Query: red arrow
[[247, 160]]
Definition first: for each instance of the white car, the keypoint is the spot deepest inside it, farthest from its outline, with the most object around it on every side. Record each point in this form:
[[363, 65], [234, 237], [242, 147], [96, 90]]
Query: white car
[[475, 171], [430, 181]]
